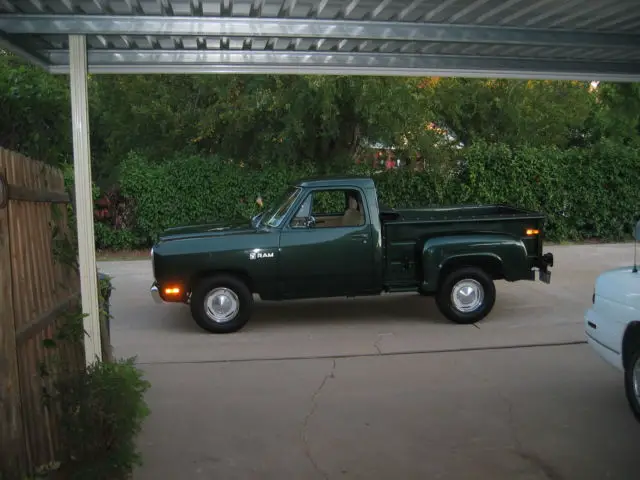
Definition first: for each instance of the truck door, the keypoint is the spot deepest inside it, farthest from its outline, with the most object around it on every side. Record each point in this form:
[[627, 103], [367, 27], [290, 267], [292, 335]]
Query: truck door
[[327, 249]]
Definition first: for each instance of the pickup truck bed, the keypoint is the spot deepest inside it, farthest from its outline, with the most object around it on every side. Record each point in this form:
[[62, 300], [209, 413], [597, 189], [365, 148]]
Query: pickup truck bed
[[329, 237], [405, 231]]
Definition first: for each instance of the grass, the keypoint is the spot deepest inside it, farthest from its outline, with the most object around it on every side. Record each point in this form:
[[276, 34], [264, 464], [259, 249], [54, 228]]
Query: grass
[[122, 255]]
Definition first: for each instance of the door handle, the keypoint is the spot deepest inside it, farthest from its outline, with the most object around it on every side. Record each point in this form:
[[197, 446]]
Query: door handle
[[360, 236]]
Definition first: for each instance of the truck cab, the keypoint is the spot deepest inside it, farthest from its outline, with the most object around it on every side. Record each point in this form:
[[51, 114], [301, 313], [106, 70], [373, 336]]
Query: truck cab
[[331, 242]]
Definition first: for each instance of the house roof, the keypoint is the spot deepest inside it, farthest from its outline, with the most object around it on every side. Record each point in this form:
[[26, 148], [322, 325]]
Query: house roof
[[556, 39]]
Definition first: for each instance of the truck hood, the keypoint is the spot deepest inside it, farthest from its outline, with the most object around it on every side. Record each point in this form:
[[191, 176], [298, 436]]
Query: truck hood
[[620, 285], [209, 229]]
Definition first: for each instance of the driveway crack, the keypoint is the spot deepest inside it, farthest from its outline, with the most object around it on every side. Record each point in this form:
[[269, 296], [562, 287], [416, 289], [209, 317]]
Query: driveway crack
[[307, 418], [533, 459], [376, 344]]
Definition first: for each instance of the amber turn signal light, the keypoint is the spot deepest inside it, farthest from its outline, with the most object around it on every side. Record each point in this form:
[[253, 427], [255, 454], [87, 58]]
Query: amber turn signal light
[[172, 291], [532, 231]]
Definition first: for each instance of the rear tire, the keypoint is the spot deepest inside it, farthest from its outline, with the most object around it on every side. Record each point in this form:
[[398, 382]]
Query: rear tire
[[221, 304], [632, 381], [466, 295]]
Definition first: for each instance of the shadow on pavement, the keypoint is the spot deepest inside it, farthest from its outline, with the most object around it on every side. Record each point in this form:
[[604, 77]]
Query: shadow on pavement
[[327, 312]]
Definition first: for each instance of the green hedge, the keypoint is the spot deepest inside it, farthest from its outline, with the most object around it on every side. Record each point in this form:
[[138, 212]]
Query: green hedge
[[188, 189], [585, 193]]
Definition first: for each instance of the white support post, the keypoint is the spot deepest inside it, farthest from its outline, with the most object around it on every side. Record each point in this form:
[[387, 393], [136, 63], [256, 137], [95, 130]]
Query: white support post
[[84, 197]]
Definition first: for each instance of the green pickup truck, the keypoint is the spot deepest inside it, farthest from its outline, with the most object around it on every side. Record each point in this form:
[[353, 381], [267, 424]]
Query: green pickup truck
[[330, 237]]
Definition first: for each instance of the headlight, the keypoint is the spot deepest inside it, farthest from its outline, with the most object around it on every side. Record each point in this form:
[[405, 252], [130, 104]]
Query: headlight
[[151, 253]]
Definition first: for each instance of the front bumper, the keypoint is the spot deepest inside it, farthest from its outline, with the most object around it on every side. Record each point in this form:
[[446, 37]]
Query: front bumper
[[159, 297]]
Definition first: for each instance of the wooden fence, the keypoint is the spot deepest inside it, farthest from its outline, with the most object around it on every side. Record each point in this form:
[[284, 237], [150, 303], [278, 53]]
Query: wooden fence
[[34, 290]]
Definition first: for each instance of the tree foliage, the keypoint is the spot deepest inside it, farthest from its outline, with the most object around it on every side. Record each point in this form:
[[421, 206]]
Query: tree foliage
[[36, 113], [618, 115], [257, 119], [259, 127], [296, 119], [515, 112]]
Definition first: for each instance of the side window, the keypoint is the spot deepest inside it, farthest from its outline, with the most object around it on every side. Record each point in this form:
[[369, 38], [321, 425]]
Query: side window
[[328, 203], [330, 208]]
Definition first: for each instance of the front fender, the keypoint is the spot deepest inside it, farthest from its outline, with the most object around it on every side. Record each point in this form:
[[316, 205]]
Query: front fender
[[503, 255]]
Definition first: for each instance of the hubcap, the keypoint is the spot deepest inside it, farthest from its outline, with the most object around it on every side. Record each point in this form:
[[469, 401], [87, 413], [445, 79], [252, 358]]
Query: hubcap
[[467, 295], [221, 305], [636, 379]]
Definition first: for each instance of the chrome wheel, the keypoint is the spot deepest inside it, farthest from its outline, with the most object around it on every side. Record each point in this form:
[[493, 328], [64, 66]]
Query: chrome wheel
[[221, 305], [467, 295], [635, 375]]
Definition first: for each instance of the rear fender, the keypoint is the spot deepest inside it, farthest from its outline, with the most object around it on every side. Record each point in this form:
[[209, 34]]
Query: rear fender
[[501, 256]]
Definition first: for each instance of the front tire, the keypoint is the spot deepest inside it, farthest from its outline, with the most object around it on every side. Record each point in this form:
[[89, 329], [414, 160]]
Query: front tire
[[221, 304], [466, 295], [632, 382]]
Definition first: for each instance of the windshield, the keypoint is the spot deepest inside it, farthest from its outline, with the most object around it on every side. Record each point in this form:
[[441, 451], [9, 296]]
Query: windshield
[[274, 215]]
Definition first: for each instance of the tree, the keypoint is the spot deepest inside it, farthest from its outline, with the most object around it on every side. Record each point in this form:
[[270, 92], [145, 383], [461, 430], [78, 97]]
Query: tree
[[296, 119], [515, 112], [256, 119], [618, 116], [36, 113]]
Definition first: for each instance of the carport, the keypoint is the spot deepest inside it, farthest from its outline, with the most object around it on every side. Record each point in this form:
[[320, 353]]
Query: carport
[[542, 39]]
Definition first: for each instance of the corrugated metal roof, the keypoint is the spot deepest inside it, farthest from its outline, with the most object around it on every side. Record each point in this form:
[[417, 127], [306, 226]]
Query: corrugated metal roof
[[578, 39]]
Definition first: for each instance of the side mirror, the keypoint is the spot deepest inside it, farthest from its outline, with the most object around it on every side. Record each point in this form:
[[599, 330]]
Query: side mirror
[[636, 233], [310, 222]]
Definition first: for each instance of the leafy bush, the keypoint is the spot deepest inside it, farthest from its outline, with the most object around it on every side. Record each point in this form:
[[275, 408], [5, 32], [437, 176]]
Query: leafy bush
[[102, 413], [101, 409], [187, 189], [108, 238], [584, 192], [105, 288]]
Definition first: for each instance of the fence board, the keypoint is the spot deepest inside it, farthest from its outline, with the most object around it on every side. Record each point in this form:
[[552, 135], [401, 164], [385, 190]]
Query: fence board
[[13, 457], [34, 290]]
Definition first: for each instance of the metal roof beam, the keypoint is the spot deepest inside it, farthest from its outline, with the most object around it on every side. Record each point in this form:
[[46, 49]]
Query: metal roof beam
[[307, 28], [338, 63]]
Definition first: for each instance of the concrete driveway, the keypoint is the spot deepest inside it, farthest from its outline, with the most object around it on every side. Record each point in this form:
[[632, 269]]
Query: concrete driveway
[[382, 387]]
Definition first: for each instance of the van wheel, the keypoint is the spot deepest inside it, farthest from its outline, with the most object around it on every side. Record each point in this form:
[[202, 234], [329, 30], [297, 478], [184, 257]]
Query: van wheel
[[221, 304], [632, 382], [466, 295]]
